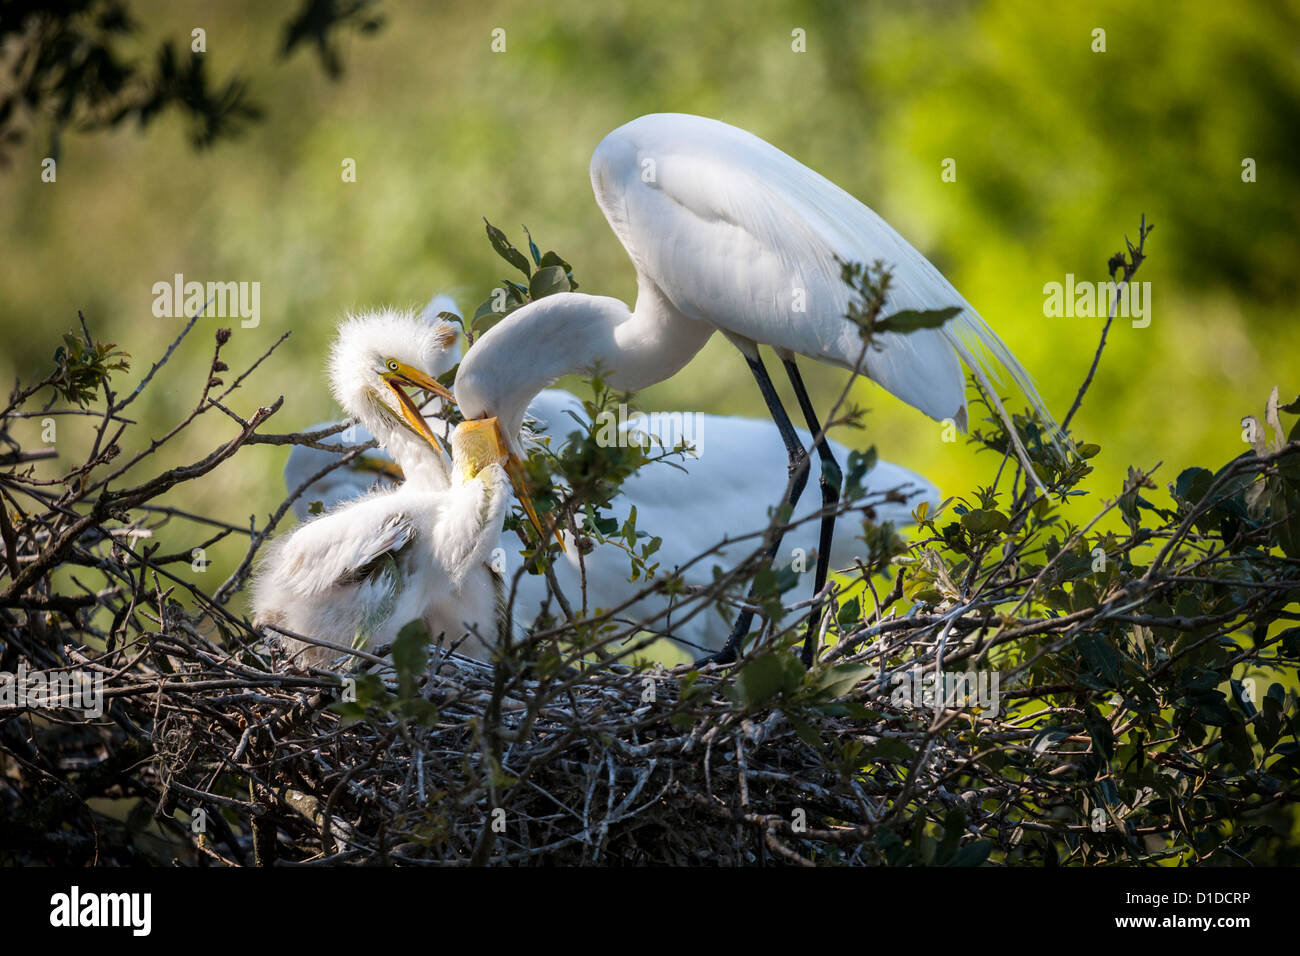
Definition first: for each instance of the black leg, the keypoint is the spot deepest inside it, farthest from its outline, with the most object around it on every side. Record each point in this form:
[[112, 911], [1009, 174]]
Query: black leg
[[830, 483], [798, 481]]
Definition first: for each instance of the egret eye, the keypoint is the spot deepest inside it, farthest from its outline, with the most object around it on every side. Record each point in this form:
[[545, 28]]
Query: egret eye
[[392, 365]]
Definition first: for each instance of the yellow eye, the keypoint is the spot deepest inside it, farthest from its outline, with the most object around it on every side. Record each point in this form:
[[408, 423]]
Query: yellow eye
[[392, 365]]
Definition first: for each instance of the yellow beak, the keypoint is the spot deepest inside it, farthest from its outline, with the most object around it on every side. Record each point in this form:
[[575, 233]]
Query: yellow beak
[[414, 418], [405, 374], [481, 441], [413, 376]]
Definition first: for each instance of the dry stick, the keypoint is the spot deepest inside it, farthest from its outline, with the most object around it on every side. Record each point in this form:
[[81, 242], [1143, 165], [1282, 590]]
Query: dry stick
[[10, 540], [1136, 257], [22, 458], [203, 405], [144, 382], [128, 499]]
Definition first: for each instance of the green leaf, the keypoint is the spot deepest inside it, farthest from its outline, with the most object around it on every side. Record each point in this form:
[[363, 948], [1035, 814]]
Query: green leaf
[[484, 311], [349, 710], [1214, 711], [553, 259], [1286, 511], [889, 750], [795, 673], [1193, 483], [761, 679], [983, 521], [1268, 725], [840, 679], [910, 320], [859, 464], [1101, 657], [410, 655], [849, 613], [548, 281], [1237, 745], [954, 825], [506, 251], [973, 854], [1103, 738], [532, 247], [805, 731]]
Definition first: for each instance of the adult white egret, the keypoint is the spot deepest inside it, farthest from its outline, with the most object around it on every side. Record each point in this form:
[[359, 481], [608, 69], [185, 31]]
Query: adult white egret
[[729, 234], [355, 575]]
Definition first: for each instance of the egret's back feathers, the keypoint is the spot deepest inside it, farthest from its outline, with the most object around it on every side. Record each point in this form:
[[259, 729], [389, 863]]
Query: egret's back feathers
[[735, 232]]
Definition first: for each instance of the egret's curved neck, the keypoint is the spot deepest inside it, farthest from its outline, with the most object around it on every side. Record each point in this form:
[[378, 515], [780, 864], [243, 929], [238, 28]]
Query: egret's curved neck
[[420, 463], [571, 333]]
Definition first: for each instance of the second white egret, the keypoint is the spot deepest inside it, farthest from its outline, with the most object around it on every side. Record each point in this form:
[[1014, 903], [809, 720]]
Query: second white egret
[[729, 234]]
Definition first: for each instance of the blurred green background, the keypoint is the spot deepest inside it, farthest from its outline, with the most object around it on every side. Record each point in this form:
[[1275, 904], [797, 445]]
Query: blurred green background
[[1058, 151]]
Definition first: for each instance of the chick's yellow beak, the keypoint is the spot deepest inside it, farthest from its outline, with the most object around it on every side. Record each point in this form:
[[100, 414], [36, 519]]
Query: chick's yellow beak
[[413, 418], [480, 443], [413, 376], [406, 375]]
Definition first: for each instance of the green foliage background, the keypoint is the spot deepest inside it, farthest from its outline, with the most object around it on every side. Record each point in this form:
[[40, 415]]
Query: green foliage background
[[1058, 150]]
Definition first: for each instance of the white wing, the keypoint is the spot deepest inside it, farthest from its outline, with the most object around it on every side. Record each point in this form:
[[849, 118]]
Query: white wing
[[338, 547], [355, 479], [740, 474], [733, 231]]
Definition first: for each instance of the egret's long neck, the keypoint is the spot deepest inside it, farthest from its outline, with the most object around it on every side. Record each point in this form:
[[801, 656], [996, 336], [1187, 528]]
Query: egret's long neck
[[571, 333], [420, 463]]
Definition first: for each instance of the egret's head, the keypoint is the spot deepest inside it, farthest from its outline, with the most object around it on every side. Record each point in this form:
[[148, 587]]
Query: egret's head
[[379, 356]]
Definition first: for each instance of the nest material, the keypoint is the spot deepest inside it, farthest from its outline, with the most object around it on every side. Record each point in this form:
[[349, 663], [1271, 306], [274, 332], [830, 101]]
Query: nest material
[[605, 766]]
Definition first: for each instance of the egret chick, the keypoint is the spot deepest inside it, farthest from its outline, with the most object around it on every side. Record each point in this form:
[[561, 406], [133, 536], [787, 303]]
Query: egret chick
[[355, 575]]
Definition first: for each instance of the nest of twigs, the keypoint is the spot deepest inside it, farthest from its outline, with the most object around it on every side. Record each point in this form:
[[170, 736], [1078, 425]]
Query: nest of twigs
[[487, 763], [1130, 699]]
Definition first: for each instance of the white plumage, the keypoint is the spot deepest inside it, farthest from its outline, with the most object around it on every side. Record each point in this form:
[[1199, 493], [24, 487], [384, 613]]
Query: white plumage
[[369, 470], [355, 575], [725, 492], [729, 234], [732, 230], [726, 231]]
